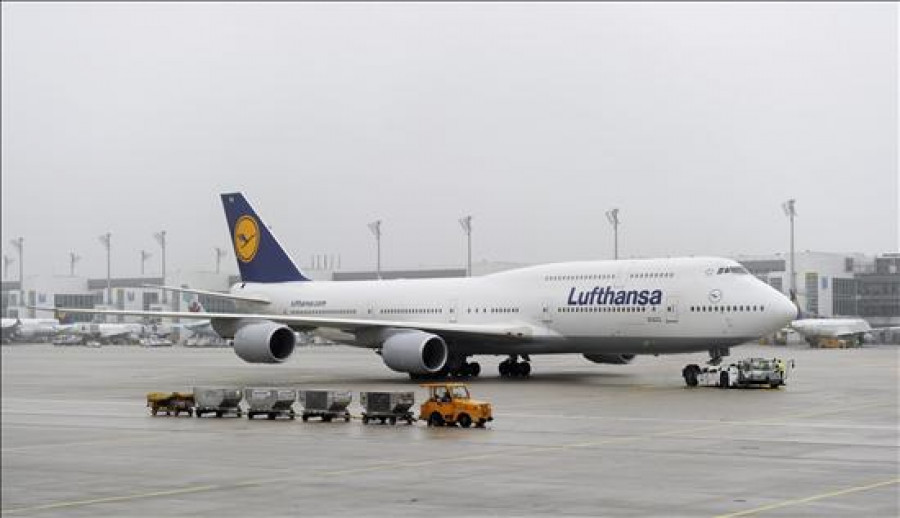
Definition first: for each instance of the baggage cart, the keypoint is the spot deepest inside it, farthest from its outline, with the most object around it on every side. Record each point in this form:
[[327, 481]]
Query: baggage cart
[[270, 402], [218, 401], [387, 407], [172, 403], [326, 404]]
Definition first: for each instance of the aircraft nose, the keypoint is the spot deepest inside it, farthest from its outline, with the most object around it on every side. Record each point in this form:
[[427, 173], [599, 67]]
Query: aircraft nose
[[785, 310]]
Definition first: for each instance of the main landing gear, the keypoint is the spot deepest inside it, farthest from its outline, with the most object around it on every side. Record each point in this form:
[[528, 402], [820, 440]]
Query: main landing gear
[[690, 372], [512, 368]]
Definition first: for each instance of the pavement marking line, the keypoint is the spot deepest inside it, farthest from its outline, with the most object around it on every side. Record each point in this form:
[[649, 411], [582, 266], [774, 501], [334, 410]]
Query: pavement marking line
[[813, 498], [120, 498], [430, 462]]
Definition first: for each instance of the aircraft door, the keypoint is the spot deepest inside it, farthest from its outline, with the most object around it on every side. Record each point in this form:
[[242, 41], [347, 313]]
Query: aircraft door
[[671, 310], [547, 311], [452, 309]]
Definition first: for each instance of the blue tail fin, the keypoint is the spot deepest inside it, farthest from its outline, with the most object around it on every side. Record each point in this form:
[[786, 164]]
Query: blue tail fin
[[260, 258]]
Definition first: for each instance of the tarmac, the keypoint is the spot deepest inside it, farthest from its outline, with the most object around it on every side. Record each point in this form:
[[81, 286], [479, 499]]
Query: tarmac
[[576, 439]]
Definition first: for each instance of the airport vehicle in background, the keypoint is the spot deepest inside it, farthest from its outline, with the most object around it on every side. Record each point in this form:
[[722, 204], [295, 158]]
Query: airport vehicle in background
[[270, 402], [449, 404], [325, 404], [172, 403], [155, 341], [825, 332], [607, 311], [387, 407], [750, 372], [218, 401], [68, 340], [129, 333]]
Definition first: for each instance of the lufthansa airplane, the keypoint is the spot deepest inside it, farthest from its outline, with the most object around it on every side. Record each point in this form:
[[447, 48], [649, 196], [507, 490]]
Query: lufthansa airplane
[[608, 311]]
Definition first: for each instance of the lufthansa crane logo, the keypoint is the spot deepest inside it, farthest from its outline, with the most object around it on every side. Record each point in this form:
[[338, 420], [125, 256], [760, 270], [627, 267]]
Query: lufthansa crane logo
[[246, 238], [715, 296]]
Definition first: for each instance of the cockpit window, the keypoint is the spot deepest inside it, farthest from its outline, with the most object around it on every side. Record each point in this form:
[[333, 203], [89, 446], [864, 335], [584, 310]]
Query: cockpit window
[[740, 270]]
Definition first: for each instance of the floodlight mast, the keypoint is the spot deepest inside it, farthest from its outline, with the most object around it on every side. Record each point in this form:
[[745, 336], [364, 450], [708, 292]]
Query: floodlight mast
[[161, 239], [220, 253], [466, 224], [790, 210], [19, 244], [144, 256], [73, 258], [7, 260], [105, 240], [613, 217], [375, 227]]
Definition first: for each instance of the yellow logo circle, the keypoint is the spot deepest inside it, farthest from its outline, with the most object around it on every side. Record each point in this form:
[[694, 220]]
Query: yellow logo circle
[[246, 238]]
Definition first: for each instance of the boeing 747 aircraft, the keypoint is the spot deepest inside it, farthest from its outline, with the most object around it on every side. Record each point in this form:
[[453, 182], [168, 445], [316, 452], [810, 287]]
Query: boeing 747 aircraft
[[607, 311]]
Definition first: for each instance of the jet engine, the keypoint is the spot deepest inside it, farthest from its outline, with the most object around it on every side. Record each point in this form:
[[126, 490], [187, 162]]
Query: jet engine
[[415, 352], [616, 359], [264, 342]]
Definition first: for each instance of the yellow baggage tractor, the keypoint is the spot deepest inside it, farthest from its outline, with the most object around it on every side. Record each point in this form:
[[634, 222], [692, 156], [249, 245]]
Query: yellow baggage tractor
[[172, 403]]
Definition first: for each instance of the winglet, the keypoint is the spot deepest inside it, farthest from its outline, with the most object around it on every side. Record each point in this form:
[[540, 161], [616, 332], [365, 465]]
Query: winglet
[[259, 255]]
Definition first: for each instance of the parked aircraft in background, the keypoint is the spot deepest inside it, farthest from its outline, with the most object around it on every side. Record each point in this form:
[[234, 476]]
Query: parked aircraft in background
[[608, 311], [28, 329], [814, 329]]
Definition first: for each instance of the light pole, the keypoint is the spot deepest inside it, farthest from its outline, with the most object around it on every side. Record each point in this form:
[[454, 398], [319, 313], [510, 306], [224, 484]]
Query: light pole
[[19, 244], [790, 211], [466, 224], [375, 227], [144, 256], [613, 217], [73, 258], [105, 241], [220, 253], [7, 260], [161, 239]]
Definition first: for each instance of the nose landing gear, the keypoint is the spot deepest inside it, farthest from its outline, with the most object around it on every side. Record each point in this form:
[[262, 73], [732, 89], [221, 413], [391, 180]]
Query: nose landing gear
[[512, 368]]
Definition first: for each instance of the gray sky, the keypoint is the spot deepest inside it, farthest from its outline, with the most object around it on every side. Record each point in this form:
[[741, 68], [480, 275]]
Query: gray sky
[[696, 120]]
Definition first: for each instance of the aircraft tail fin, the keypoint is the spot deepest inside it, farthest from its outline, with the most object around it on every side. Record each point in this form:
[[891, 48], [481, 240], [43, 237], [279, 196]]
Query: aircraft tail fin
[[259, 255]]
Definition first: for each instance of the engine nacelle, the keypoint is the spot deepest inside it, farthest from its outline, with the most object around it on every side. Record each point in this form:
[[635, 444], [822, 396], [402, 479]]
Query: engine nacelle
[[415, 352], [615, 359], [264, 342]]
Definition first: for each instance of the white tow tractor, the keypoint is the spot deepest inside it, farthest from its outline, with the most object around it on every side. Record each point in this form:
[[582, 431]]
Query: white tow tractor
[[751, 372]]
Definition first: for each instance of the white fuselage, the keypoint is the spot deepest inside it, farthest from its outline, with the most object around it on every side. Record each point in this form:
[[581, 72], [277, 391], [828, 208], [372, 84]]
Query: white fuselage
[[648, 306]]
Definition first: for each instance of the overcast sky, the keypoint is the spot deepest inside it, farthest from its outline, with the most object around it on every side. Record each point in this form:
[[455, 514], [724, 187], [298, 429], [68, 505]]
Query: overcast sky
[[697, 121]]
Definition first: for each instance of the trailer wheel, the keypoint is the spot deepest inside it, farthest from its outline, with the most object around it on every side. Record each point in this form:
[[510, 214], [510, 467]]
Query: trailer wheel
[[153, 411], [480, 423], [365, 419], [304, 417], [326, 418], [347, 418], [464, 420], [723, 380], [218, 414], [271, 415], [435, 419], [392, 420]]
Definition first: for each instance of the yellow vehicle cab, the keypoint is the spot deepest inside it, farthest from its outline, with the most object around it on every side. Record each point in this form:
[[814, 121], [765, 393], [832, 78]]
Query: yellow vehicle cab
[[449, 404]]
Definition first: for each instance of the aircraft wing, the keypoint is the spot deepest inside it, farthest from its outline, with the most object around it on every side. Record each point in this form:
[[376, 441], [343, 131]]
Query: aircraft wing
[[512, 331], [216, 294]]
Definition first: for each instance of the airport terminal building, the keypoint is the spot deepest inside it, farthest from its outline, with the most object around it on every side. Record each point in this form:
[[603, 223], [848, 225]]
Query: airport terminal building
[[837, 285]]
